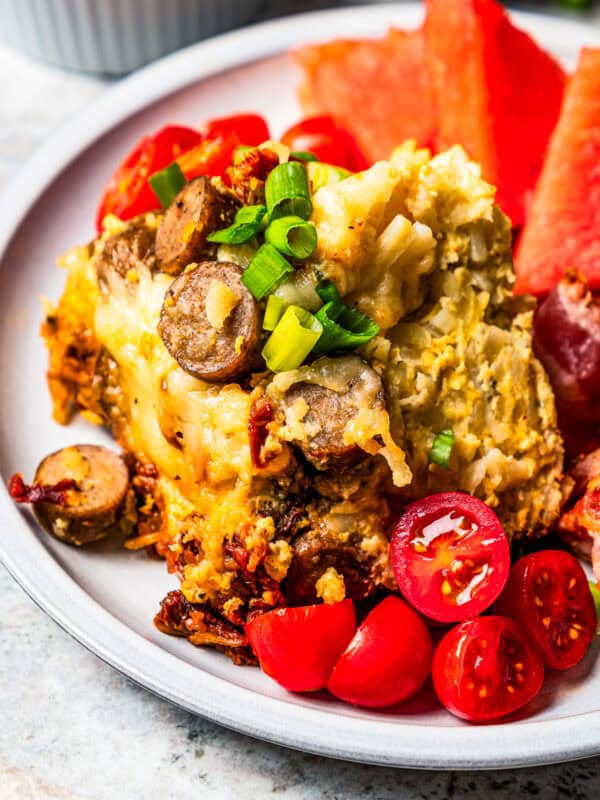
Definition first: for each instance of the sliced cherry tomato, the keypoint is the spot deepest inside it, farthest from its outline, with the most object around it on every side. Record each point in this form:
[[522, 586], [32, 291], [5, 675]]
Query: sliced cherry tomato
[[450, 556], [486, 668], [298, 647], [128, 192], [328, 141], [248, 129], [211, 157], [387, 661], [549, 594]]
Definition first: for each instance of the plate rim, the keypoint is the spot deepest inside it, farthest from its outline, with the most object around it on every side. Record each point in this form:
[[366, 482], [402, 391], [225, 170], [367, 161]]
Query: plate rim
[[271, 719]]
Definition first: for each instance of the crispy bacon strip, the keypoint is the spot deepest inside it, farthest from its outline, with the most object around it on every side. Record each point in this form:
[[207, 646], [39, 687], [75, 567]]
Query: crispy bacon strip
[[261, 414], [178, 617], [22, 492]]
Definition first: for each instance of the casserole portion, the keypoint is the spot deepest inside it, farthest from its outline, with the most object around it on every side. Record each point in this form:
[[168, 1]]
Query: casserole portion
[[263, 489]]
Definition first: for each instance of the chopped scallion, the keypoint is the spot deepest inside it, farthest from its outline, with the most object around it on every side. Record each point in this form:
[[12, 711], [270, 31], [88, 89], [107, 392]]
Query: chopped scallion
[[327, 291], [286, 191], [344, 328], [441, 449], [167, 183], [273, 311], [303, 155], [246, 225], [292, 236], [265, 271], [320, 174], [294, 337]]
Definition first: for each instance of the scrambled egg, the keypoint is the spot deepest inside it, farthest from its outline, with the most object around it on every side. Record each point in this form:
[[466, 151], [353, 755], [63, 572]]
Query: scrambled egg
[[418, 244]]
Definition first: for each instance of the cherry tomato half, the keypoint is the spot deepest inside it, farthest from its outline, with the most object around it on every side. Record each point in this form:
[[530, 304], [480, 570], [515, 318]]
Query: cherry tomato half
[[485, 668], [211, 157], [298, 647], [548, 593], [128, 192], [450, 556], [328, 141], [248, 129], [387, 661]]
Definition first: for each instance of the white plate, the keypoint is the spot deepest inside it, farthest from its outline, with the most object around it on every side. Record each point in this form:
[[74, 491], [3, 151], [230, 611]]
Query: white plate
[[106, 597]]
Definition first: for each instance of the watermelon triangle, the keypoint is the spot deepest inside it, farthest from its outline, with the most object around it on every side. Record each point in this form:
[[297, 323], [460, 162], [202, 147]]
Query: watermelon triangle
[[497, 93], [563, 227], [378, 89]]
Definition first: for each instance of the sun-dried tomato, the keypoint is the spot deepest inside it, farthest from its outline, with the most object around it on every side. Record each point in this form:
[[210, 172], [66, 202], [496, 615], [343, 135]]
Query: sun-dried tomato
[[56, 494], [261, 414], [248, 178]]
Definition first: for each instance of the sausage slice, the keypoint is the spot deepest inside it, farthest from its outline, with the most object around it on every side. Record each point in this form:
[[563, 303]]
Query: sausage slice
[[323, 400], [126, 252], [198, 210], [96, 504], [210, 322]]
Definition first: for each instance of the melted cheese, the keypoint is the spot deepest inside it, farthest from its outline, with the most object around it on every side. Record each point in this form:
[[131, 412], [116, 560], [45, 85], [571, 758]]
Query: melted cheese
[[194, 432]]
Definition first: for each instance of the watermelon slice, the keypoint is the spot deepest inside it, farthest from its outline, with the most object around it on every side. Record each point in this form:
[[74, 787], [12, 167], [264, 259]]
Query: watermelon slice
[[563, 227], [498, 94], [378, 89]]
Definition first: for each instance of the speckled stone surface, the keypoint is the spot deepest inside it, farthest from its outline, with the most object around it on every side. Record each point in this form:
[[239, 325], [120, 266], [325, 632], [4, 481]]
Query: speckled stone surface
[[73, 728]]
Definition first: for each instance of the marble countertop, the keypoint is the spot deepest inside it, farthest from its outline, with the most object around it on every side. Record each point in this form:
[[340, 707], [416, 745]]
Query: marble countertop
[[72, 728]]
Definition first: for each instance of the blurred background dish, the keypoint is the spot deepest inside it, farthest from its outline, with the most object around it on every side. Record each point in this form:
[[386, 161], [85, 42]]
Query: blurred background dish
[[114, 37]]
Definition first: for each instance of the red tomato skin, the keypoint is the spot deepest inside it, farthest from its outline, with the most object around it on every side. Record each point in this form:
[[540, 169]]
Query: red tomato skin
[[517, 601], [331, 143], [128, 193], [424, 591], [248, 129], [298, 647], [211, 157], [387, 661], [451, 677]]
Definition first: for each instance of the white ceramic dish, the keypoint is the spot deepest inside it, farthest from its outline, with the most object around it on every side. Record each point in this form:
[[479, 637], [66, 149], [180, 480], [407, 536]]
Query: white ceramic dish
[[115, 36], [106, 597]]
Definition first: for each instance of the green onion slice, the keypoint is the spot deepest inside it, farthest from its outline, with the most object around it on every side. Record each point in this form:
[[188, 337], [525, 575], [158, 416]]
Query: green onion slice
[[292, 236], [265, 271], [320, 174], [294, 337], [596, 595], [286, 191], [327, 291], [303, 155], [167, 183], [273, 311], [344, 328], [246, 225], [442, 448]]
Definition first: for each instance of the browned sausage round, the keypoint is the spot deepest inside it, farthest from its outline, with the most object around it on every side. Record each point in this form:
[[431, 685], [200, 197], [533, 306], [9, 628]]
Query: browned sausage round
[[198, 209], [314, 553], [96, 504], [127, 252], [210, 322], [334, 392]]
